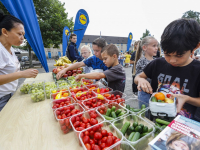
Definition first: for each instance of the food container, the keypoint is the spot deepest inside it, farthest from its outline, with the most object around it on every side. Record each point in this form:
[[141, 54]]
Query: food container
[[63, 84], [103, 109], [141, 143], [38, 95], [115, 93], [84, 95], [124, 145], [49, 87], [88, 81], [59, 95], [93, 86], [93, 102], [25, 87], [86, 114], [62, 102], [64, 123], [76, 86], [158, 108], [135, 104], [76, 90], [105, 125], [100, 90], [36, 86]]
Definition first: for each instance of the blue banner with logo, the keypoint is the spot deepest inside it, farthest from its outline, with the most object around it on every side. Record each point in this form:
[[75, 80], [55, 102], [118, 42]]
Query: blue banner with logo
[[130, 37], [25, 11], [81, 23], [65, 39]]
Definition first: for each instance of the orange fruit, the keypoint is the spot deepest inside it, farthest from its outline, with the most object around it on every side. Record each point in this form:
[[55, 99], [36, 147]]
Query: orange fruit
[[65, 94], [160, 96]]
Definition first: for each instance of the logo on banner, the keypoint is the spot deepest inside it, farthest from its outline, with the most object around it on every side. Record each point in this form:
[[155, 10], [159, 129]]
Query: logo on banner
[[83, 19], [66, 32], [130, 36]]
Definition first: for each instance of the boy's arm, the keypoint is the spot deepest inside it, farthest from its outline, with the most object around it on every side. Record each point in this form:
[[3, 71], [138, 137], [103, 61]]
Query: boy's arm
[[182, 99], [94, 75], [142, 83], [71, 67]]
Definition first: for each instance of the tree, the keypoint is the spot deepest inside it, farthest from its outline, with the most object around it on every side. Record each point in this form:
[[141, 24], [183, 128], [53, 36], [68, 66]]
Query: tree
[[192, 14], [147, 33], [52, 18]]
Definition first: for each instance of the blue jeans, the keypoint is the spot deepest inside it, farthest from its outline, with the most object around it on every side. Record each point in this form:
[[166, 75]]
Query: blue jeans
[[4, 100], [121, 61], [144, 97]]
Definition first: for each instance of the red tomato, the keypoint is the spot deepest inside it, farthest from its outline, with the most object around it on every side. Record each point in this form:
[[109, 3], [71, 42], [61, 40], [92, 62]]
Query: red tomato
[[104, 139], [85, 120], [99, 142], [62, 122], [73, 119], [104, 132], [67, 122], [80, 128], [104, 148], [101, 112], [118, 96], [103, 145], [91, 134], [110, 134], [97, 135], [93, 115], [93, 121], [95, 128], [86, 139], [109, 141], [168, 95], [92, 141], [63, 128], [116, 140], [96, 147], [83, 125], [88, 146], [112, 95], [87, 133], [76, 124]]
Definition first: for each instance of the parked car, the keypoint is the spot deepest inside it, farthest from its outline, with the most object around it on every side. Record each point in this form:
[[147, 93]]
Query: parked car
[[25, 58]]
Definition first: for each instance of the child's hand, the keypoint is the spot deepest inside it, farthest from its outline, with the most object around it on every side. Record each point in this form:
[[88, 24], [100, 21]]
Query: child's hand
[[144, 85], [78, 78], [180, 100]]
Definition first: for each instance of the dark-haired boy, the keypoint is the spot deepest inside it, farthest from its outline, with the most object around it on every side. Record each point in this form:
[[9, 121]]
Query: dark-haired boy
[[177, 73], [115, 75]]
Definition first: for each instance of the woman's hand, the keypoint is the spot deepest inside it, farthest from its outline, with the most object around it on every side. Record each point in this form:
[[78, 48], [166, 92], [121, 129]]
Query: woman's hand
[[144, 85], [180, 100], [60, 74], [29, 73], [78, 78]]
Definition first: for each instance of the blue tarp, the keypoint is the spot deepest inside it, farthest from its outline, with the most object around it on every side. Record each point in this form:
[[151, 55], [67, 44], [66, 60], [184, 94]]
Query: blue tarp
[[65, 39], [130, 37], [25, 11], [81, 22]]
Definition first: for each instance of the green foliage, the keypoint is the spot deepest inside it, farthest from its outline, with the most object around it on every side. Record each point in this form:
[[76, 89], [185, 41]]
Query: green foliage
[[147, 32], [52, 19], [192, 14]]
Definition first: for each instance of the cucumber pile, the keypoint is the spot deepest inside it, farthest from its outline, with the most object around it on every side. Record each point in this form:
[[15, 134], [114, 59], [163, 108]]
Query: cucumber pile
[[113, 113], [135, 110], [135, 131], [162, 124]]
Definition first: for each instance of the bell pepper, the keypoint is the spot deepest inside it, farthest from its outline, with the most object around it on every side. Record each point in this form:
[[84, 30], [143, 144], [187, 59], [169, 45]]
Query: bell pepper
[[98, 90], [59, 95], [54, 91], [102, 90], [99, 96]]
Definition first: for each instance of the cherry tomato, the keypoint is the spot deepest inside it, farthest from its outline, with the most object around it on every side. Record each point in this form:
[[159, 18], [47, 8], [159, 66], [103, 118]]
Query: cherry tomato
[[63, 128], [93, 115], [104, 132], [102, 145], [116, 140], [86, 139], [87, 133], [110, 134], [101, 111], [97, 135], [96, 147], [104, 139], [168, 95], [88, 146], [109, 141], [93, 121], [76, 124], [62, 122], [67, 122], [92, 142]]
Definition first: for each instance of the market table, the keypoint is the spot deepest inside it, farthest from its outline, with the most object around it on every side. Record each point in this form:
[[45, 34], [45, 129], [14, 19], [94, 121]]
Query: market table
[[25, 125]]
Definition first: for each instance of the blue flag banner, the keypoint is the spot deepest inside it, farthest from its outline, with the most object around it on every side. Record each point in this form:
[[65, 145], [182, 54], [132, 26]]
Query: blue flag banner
[[25, 11], [81, 22], [65, 39], [130, 37]]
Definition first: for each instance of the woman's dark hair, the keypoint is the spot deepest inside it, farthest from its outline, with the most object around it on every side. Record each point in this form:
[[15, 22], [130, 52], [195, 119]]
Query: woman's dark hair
[[72, 35], [100, 42], [180, 36], [8, 21]]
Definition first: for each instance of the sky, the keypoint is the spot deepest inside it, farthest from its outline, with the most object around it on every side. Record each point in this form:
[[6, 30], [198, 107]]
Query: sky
[[119, 17]]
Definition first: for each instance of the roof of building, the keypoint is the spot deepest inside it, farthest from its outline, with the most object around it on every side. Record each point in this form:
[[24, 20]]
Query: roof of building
[[109, 39]]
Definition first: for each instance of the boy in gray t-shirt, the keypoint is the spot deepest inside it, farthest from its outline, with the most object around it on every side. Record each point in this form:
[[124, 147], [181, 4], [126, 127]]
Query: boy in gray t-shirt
[[115, 75]]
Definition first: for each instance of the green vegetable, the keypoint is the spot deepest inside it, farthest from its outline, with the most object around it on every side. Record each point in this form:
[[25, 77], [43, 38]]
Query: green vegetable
[[136, 110], [153, 99], [131, 136], [135, 124], [113, 108], [145, 129], [118, 125], [122, 113], [128, 107], [125, 127], [143, 134], [141, 125], [157, 124], [149, 130], [118, 111], [108, 118], [143, 106], [108, 112], [135, 137], [138, 129], [163, 127], [130, 130], [113, 114], [162, 122]]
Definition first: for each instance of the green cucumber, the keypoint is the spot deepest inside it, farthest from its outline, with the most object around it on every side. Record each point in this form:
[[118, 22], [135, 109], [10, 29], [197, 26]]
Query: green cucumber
[[163, 127], [118, 111], [118, 125], [128, 107], [135, 137], [135, 124], [108, 118], [113, 108], [136, 110], [113, 114], [149, 130], [138, 129], [153, 99], [143, 106], [131, 136], [130, 130], [162, 122], [125, 127], [157, 124], [143, 134], [108, 112], [145, 129], [122, 113]]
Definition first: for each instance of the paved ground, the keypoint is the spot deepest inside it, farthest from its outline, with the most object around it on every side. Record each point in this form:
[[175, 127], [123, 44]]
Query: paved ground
[[128, 88]]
